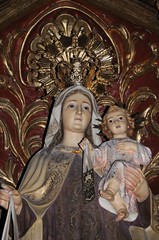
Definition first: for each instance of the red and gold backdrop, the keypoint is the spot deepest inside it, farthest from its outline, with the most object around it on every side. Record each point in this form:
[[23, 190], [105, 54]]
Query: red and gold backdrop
[[119, 62]]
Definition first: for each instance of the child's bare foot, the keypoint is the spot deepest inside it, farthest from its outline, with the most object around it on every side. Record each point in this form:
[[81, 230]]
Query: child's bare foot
[[121, 214], [108, 194]]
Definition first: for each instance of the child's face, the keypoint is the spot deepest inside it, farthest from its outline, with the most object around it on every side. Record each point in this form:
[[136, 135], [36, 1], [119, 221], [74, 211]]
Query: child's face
[[117, 123]]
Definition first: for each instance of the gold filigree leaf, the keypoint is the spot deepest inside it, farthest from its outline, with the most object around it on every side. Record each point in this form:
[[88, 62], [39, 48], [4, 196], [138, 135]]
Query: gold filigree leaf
[[154, 111], [141, 68], [6, 59], [129, 45], [13, 88], [6, 51], [33, 144], [6, 176], [127, 58], [33, 120], [9, 138], [133, 72], [137, 97], [12, 129], [129, 41], [35, 107], [8, 107], [132, 40], [143, 131], [38, 122], [6, 134], [152, 169], [106, 101]]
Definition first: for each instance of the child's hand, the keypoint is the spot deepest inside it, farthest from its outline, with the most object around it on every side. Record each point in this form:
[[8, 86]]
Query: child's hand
[[126, 147]]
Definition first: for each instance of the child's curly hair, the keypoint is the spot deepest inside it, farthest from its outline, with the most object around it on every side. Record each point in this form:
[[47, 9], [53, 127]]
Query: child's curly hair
[[104, 125]]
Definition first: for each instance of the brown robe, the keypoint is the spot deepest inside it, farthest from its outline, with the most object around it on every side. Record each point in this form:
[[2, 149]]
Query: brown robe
[[57, 201]]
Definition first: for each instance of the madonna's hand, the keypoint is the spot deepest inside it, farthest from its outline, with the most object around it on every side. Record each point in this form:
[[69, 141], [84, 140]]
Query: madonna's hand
[[5, 193], [136, 182]]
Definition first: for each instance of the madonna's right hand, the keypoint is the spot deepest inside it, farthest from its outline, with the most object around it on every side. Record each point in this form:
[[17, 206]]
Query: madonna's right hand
[[5, 193]]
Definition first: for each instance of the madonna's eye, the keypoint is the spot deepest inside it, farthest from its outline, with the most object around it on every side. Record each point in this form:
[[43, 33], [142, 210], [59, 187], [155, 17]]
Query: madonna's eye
[[71, 105], [86, 108]]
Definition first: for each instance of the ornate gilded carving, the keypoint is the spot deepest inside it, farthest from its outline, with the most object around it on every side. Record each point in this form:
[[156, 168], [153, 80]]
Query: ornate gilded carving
[[53, 49]]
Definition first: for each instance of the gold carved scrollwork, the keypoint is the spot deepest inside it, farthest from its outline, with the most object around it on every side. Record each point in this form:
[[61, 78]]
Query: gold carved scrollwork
[[153, 113], [17, 121]]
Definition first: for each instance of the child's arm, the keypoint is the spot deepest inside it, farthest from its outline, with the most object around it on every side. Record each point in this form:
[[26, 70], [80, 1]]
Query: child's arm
[[145, 154], [142, 154], [101, 163], [98, 156], [83, 144]]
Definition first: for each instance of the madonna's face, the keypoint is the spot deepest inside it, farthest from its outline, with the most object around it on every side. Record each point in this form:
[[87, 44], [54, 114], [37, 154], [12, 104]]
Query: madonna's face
[[76, 113]]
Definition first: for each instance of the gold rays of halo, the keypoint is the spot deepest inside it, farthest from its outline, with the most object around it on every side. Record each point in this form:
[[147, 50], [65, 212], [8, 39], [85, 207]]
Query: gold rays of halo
[[68, 51]]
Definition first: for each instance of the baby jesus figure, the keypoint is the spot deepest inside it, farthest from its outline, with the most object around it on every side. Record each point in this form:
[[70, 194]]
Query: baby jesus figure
[[111, 159]]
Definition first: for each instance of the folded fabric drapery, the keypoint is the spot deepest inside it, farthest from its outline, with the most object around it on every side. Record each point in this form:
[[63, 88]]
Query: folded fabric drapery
[[11, 215]]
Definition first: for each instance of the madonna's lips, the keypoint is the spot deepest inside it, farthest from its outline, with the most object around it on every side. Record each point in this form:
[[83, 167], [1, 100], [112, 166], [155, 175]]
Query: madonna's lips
[[78, 119]]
